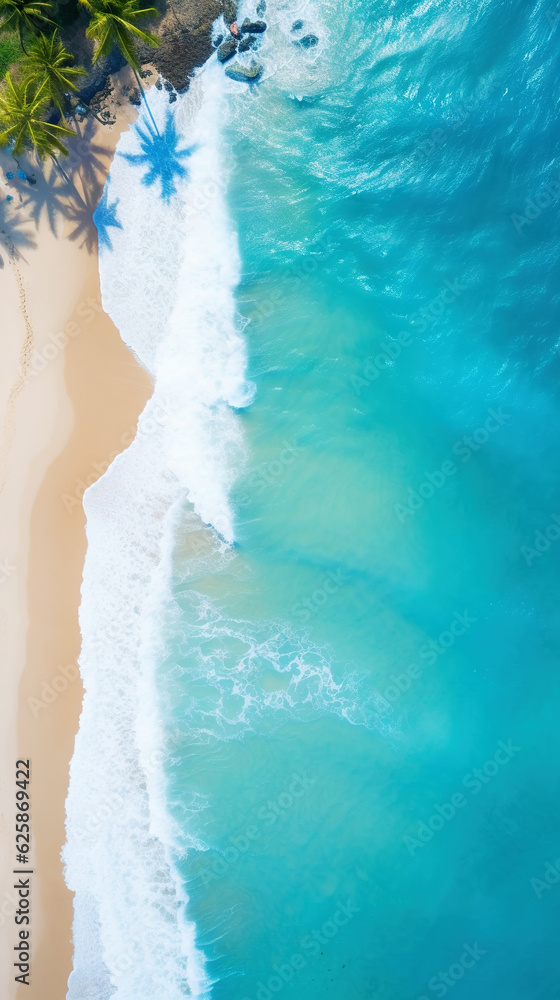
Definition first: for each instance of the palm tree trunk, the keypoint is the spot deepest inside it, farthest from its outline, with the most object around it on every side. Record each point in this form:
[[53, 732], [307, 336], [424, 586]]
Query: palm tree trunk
[[143, 92], [68, 179], [21, 42]]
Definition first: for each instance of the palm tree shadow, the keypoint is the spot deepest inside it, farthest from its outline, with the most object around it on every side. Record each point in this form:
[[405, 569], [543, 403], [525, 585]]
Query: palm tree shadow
[[47, 197], [105, 217], [69, 191], [161, 156], [79, 213], [88, 160], [14, 238]]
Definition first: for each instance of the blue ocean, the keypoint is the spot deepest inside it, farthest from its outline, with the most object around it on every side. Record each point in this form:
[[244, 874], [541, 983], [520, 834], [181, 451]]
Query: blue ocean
[[318, 750]]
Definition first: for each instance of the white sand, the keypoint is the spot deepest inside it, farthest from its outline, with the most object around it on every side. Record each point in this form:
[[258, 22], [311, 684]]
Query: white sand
[[61, 425]]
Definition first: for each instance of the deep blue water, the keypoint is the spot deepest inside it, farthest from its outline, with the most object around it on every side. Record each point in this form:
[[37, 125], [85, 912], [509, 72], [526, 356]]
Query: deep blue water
[[361, 699], [382, 202]]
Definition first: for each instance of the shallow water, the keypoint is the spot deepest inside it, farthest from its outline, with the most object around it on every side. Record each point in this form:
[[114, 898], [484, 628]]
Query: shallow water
[[339, 723]]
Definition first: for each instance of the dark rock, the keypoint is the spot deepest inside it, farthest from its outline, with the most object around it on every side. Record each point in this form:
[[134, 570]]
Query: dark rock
[[227, 49], [253, 27], [219, 40], [159, 84], [168, 86], [307, 42], [244, 74], [185, 34], [247, 42], [135, 97], [261, 7], [297, 25], [230, 11], [172, 97], [98, 73]]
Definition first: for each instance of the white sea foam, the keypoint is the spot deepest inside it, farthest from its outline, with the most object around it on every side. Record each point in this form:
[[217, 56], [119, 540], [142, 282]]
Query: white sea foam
[[241, 676], [168, 284]]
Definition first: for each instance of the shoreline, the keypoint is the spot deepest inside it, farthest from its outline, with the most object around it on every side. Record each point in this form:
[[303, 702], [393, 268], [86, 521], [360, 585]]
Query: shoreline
[[184, 32], [75, 411]]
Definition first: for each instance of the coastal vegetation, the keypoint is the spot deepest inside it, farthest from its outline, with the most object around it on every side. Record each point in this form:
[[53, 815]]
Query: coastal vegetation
[[23, 16], [115, 22], [38, 73], [23, 110], [10, 52]]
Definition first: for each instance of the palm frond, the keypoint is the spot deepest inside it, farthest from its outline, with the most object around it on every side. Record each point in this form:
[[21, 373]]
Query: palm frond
[[22, 119], [49, 60], [114, 22]]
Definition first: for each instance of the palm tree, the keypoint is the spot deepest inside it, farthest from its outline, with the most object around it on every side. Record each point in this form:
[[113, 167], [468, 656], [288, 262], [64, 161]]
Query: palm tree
[[49, 61], [22, 123], [22, 16], [114, 22]]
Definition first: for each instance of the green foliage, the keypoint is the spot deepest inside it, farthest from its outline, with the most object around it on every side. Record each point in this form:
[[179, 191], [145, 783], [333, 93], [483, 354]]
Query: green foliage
[[115, 22], [10, 53], [47, 70], [48, 61], [22, 125], [23, 16]]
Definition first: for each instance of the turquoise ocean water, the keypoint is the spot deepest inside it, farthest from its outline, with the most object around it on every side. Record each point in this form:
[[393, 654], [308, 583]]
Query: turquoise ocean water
[[336, 735]]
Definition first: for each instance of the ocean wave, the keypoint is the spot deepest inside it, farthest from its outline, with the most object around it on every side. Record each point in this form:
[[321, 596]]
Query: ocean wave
[[168, 273], [241, 676], [169, 265]]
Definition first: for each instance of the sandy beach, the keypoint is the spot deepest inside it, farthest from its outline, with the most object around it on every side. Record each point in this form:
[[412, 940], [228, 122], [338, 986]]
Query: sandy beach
[[70, 394]]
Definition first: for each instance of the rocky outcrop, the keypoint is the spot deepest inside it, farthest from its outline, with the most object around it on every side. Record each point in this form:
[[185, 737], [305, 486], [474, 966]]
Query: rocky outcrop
[[247, 42], [184, 30], [252, 27], [307, 42], [226, 50], [97, 74], [244, 74]]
